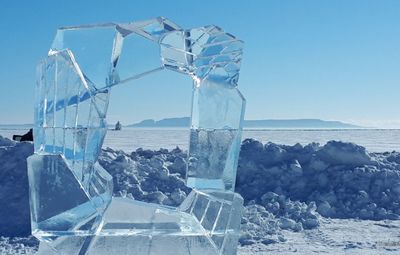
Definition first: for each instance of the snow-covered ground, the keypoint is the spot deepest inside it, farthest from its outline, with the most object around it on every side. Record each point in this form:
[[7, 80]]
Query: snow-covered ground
[[331, 199], [335, 236], [18, 245]]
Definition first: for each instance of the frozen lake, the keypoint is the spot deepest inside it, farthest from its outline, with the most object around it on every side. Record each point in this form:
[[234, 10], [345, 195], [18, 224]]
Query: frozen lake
[[129, 139], [375, 140]]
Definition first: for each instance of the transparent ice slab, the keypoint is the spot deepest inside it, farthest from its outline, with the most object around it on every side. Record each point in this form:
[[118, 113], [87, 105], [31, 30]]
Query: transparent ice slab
[[69, 114], [213, 58], [215, 138], [60, 205], [206, 223]]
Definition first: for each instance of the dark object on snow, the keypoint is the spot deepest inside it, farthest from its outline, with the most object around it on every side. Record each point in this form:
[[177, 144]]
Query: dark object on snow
[[118, 126], [26, 137]]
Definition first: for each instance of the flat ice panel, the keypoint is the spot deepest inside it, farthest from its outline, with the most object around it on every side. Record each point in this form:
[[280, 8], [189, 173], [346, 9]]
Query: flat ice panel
[[58, 200], [212, 160], [92, 48]]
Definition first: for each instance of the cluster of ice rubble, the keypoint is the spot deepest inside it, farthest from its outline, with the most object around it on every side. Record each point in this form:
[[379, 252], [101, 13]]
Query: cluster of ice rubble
[[18, 245], [284, 187], [342, 179]]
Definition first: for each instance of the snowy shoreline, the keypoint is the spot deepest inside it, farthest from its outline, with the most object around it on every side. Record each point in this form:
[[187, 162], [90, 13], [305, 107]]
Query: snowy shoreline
[[289, 191]]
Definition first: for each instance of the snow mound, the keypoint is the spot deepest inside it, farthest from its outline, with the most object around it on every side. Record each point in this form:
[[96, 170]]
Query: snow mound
[[146, 175], [18, 245], [286, 188], [6, 142], [343, 179], [14, 196], [263, 223]]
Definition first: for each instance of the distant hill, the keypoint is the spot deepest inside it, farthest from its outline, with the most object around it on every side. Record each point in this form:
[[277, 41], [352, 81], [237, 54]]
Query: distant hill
[[185, 122], [270, 123]]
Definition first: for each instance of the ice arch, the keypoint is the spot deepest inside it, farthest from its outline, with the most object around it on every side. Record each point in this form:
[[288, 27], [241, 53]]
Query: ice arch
[[72, 207]]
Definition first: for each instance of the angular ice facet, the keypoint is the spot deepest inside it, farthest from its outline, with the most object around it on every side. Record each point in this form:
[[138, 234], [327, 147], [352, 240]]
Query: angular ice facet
[[59, 203], [206, 53], [136, 39], [69, 114], [213, 58], [220, 214], [98, 48], [92, 47], [133, 46], [206, 223], [151, 29], [72, 208], [215, 138]]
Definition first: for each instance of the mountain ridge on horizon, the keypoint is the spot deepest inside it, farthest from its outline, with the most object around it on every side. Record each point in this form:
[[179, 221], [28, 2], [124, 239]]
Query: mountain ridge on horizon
[[265, 123]]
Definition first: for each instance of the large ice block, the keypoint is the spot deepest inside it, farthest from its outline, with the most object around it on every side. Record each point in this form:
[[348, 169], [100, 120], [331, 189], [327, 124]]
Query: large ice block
[[60, 205], [69, 114], [219, 213], [215, 138], [72, 208], [212, 57], [207, 222]]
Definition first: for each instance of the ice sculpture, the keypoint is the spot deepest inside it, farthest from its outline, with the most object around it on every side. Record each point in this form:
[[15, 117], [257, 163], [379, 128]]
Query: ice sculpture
[[72, 208]]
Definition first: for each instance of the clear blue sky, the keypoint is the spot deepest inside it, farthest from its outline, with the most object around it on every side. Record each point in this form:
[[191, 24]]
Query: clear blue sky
[[336, 60]]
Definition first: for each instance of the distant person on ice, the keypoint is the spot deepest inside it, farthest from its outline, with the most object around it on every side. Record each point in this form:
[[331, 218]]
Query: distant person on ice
[[26, 137]]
